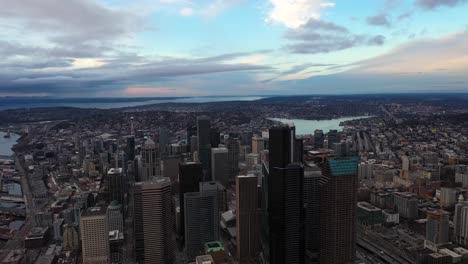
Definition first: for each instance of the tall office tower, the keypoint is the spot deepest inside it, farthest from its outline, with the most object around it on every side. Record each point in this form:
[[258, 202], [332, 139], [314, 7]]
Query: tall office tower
[[318, 138], [448, 196], [247, 217], [215, 137], [437, 226], [163, 140], [311, 198], [219, 165], [94, 236], [252, 160], [338, 210], [333, 137], [152, 221], [115, 216], [217, 189], [117, 185], [201, 221], [284, 239], [246, 138], [404, 173], [132, 126], [204, 142], [460, 221], [191, 131], [194, 144], [190, 176], [150, 159], [131, 148], [257, 144], [233, 147], [71, 238]]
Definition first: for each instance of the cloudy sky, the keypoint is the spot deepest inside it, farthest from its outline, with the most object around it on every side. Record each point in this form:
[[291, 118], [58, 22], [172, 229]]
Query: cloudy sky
[[118, 48]]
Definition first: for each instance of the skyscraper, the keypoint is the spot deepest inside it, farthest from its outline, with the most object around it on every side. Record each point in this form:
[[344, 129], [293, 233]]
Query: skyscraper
[[131, 147], [204, 142], [117, 185], [191, 131], [233, 147], [285, 234], [219, 165], [163, 141], [201, 220], [190, 176], [338, 210], [247, 218], [94, 236], [115, 216], [152, 221], [311, 196], [437, 226], [318, 138], [461, 223], [150, 159], [215, 137], [257, 144]]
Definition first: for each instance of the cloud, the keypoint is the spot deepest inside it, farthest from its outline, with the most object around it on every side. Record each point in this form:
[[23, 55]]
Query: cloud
[[432, 4], [186, 11], [322, 37], [89, 75], [378, 20], [295, 13], [424, 55], [218, 6], [79, 26]]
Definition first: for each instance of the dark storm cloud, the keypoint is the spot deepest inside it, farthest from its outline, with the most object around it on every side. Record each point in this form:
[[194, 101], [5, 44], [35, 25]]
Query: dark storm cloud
[[323, 37], [432, 4], [378, 20]]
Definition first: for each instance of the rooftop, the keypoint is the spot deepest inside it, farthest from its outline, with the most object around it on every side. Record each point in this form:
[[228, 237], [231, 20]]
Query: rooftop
[[343, 166], [94, 211]]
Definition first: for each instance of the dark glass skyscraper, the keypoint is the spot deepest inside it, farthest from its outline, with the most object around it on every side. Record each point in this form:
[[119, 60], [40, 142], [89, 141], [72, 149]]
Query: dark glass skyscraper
[[285, 232], [311, 196], [233, 147], [204, 142], [338, 210], [190, 176]]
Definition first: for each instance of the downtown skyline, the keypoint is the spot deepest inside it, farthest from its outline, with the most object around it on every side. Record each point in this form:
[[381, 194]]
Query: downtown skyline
[[116, 48]]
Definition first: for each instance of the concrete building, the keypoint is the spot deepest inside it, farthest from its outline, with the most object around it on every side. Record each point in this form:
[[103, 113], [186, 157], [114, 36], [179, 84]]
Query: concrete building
[[406, 204], [258, 144], [153, 221], [448, 197], [247, 218], [95, 236], [219, 165]]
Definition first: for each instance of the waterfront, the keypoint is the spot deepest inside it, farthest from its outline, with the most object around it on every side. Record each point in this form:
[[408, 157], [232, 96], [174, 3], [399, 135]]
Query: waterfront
[[307, 127], [7, 143]]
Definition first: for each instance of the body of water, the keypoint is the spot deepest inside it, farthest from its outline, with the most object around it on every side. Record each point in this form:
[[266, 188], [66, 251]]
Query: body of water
[[307, 127], [7, 143], [121, 104]]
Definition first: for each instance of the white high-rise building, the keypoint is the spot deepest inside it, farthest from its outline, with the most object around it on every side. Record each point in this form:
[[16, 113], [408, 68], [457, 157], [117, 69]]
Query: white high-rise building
[[95, 236]]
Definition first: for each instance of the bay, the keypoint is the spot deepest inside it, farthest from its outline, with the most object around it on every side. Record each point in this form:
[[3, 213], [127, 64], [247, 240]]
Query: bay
[[307, 127], [7, 143]]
